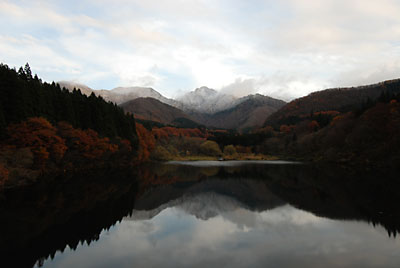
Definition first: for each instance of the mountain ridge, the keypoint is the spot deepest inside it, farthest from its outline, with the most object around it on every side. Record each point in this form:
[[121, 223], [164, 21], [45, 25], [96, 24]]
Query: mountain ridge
[[119, 95], [247, 113], [206, 100], [332, 99], [203, 106], [154, 110]]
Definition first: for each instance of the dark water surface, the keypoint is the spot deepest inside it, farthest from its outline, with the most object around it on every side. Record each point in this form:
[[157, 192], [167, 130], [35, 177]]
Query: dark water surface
[[205, 214]]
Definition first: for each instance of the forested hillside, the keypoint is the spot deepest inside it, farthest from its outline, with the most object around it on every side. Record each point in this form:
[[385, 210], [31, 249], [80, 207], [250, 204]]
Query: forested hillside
[[45, 129], [331, 102], [23, 95], [249, 113], [364, 132], [155, 110]]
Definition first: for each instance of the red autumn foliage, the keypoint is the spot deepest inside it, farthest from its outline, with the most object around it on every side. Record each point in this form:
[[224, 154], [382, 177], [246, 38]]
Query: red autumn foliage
[[339, 118], [193, 132], [40, 136], [146, 142], [286, 129], [125, 145], [50, 144], [159, 133], [313, 126], [3, 174], [168, 132], [87, 142], [331, 113]]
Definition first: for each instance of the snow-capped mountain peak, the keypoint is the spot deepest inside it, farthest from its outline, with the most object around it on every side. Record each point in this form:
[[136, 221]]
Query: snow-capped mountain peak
[[204, 91], [120, 95], [206, 100], [140, 91]]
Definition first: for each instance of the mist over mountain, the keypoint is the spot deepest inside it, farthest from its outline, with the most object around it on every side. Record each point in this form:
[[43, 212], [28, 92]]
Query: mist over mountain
[[203, 105], [120, 94], [246, 112], [70, 85], [206, 100]]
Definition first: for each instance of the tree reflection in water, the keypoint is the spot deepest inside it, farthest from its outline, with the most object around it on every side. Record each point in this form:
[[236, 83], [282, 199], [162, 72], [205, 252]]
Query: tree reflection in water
[[38, 221]]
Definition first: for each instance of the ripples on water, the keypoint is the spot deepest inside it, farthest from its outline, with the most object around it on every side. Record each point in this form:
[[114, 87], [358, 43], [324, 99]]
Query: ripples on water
[[206, 213]]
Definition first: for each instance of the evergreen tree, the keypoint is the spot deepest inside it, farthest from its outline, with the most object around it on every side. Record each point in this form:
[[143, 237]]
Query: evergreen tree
[[21, 73], [28, 72], [2, 123], [22, 96]]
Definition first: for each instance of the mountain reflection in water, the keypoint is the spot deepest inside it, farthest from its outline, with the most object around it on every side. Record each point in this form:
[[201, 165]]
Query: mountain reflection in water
[[198, 214]]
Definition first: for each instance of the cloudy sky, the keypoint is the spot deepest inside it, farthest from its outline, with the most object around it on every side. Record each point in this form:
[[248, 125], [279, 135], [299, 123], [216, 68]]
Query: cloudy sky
[[285, 48]]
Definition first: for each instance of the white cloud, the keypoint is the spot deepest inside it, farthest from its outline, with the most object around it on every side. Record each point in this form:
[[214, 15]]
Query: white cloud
[[285, 49]]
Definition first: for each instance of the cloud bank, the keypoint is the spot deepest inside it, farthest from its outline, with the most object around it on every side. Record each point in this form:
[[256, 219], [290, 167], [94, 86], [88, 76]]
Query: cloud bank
[[284, 48]]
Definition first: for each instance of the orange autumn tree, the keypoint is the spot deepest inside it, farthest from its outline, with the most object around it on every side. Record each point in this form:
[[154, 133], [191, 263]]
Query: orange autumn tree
[[3, 174], [313, 126], [86, 142], [159, 133], [286, 129], [40, 136], [146, 142], [165, 133]]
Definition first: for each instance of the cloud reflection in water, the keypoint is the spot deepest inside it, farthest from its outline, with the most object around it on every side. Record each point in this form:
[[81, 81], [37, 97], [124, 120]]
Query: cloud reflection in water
[[227, 234]]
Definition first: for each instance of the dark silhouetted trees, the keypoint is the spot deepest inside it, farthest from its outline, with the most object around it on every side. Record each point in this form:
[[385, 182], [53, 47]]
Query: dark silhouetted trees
[[23, 96]]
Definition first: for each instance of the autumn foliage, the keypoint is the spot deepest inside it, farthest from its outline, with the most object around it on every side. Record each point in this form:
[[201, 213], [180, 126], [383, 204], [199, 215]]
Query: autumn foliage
[[146, 142], [162, 143], [86, 142], [168, 132], [285, 129], [3, 174], [313, 126], [62, 145], [41, 137]]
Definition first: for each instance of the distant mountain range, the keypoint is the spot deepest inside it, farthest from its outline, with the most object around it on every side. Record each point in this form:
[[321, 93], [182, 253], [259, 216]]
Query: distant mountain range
[[120, 94], [206, 100], [248, 112], [203, 106], [211, 108]]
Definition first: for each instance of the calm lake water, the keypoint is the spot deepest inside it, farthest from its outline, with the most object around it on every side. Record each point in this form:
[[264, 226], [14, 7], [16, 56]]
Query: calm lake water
[[206, 214]]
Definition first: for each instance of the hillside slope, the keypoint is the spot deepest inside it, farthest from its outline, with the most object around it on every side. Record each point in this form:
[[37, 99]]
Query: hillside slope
[[337, 99], [248, 113], [119, 95], [154, 110]]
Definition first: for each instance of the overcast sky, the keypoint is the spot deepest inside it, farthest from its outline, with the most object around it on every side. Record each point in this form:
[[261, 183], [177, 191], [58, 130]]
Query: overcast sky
[[285, 48]]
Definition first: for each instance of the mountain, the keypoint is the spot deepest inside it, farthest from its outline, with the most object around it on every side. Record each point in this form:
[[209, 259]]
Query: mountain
[[203, 105], [206, 199], [120, 94], [354, 126], [71, 85], [155, 110], [336, 99], [123, 94], [205, 100], [247, 112]]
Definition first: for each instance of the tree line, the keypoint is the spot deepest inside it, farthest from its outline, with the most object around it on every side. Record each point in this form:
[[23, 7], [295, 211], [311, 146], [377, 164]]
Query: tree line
[[46, 129], [23, 95]]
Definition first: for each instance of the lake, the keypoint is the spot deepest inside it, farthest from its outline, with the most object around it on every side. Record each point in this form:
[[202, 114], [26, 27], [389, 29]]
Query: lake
[[205, 214]]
